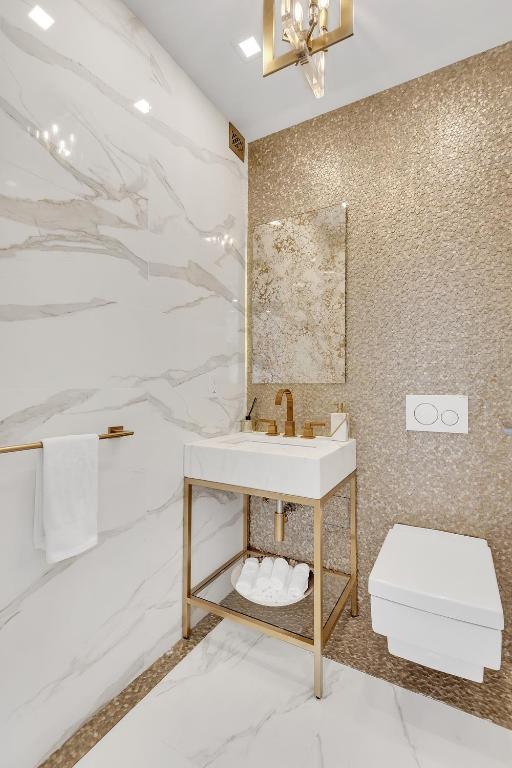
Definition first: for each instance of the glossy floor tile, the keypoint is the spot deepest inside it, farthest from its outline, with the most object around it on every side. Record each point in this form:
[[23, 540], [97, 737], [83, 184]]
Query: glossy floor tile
[[240, 698]]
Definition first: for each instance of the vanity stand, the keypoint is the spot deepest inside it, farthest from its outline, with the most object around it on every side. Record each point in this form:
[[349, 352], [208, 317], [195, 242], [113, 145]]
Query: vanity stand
[[321, 631]]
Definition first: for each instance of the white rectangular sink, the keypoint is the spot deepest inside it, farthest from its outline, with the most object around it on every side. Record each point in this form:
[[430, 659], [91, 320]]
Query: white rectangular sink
[[289, 465]]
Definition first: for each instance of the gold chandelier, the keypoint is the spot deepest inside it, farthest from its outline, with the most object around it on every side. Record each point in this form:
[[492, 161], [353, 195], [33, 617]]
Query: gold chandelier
[[304, 26]]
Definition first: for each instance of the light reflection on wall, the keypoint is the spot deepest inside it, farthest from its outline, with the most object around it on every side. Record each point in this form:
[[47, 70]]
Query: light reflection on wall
[[50, 138]]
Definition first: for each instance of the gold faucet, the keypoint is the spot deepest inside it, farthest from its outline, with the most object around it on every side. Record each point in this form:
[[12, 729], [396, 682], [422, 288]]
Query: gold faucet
[[289, 425]]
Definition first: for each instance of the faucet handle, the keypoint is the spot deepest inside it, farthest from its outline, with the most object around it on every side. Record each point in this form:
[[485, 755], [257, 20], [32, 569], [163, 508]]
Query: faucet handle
[[272, 426], [308, 428]]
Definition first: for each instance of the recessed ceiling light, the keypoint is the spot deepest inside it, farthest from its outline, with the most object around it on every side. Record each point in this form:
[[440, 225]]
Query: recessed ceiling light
[[250, 47], [143, 106], [41, 18]]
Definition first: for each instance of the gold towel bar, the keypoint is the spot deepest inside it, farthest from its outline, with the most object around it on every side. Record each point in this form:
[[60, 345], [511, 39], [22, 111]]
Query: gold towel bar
[[112, 432]]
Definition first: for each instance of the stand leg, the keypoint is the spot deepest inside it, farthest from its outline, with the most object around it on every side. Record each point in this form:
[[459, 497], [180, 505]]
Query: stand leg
[[247, 507], [187, 556], [317, 605], [354, 608]]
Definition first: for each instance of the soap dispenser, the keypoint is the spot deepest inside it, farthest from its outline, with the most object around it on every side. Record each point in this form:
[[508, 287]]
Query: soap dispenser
[[340, 424]]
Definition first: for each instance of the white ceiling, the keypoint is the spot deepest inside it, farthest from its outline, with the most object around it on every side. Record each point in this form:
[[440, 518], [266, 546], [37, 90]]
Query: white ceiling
[[394, 41]]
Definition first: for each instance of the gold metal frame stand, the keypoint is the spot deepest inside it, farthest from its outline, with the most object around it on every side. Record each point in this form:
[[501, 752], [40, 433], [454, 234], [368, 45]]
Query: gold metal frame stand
[[321, 631]]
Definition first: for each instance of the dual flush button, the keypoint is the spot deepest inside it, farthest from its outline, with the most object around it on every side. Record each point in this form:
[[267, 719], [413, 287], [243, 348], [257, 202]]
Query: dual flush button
[[437, 413]]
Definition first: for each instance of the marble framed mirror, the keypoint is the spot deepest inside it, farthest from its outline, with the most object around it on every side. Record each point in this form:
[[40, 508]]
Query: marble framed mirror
[[298, 298]]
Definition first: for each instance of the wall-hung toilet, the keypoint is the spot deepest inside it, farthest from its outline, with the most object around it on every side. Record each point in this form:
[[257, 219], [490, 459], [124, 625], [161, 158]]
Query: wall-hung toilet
[[436, 598]]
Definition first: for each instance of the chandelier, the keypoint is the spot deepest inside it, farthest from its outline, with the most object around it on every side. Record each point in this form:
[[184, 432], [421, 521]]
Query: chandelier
[[304, 26]]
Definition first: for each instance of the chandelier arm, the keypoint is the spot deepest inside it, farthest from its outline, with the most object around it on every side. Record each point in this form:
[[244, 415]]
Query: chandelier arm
[[311, 30]]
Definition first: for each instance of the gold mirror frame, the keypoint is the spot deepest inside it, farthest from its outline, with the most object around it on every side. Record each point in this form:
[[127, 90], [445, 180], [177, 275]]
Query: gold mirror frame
[[272, 64]]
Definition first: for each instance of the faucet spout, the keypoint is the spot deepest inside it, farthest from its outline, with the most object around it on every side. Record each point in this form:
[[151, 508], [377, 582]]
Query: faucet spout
[[289, 427]]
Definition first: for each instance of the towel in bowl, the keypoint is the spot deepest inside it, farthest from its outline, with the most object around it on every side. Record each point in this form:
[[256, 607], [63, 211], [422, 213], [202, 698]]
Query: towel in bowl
[[279, 574], [299, 581], [282, 595], [66, 503], [247, 579], [264, 575]]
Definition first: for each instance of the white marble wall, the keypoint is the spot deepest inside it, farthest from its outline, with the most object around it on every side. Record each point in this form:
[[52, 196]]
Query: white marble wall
[[121, 302]]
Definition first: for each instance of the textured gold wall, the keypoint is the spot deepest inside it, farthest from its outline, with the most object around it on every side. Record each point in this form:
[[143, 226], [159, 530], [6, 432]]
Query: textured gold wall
[[425, 169]]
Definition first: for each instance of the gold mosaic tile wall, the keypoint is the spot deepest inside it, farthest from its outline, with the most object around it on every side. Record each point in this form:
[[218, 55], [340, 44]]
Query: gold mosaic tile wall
[[425, 169]]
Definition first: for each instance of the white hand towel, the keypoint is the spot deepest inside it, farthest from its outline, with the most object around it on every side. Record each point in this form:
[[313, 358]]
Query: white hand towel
[[298, 581], [66, 502], [264, 574], [247, 578], [279, 574]]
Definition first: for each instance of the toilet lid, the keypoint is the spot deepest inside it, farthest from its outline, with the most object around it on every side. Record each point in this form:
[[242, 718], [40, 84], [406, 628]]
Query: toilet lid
[[443, 573]]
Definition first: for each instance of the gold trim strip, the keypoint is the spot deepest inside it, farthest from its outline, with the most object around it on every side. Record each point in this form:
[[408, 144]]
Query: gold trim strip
[[249, 621]]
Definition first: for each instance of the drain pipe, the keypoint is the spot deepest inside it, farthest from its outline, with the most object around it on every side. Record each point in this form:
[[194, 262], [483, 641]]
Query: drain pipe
[[279, 521]]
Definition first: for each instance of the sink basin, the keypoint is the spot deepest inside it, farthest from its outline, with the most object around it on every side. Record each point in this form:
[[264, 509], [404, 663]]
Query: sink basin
[[289, 465]]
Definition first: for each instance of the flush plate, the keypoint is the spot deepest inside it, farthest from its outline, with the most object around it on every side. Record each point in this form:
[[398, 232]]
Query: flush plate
[[437, 413]]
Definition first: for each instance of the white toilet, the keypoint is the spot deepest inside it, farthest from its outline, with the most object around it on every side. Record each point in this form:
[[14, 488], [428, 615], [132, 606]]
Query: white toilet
[[436, 598]]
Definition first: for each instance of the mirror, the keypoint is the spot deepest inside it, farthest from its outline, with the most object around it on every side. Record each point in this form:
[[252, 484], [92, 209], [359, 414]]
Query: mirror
[[298, 298]]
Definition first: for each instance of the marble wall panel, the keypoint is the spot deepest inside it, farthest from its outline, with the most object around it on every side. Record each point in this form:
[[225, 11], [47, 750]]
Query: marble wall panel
[[122, 272]]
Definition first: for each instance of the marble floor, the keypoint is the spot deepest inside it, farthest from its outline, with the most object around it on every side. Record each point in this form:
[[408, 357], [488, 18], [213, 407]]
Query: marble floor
[[240, 698]]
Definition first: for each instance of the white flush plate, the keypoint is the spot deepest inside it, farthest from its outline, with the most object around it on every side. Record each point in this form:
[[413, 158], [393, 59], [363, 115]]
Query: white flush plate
[[436, 413]]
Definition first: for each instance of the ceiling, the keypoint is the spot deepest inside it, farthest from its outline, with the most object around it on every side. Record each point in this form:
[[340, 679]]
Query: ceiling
[[394, 41]]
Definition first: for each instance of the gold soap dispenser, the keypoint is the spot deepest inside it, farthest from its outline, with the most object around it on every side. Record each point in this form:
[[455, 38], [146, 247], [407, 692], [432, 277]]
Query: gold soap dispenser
[[340, 424]]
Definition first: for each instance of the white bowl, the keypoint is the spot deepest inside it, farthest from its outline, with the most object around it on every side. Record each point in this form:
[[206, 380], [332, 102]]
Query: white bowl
[[235, 575]]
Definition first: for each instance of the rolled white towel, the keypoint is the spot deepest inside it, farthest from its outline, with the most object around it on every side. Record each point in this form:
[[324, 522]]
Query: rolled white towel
[[272, 598], [282, 596], [264, 574], [279, 574], [298, 581], [248, 576]]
